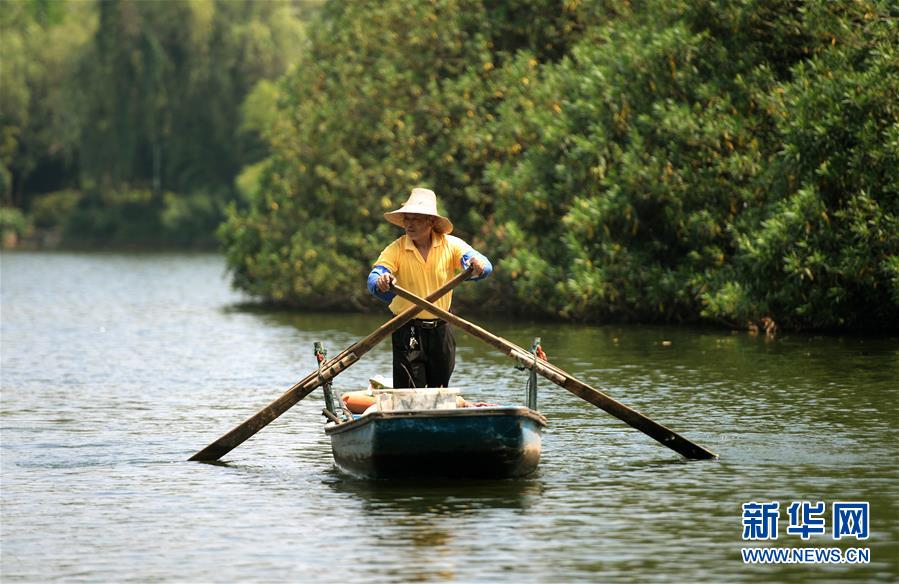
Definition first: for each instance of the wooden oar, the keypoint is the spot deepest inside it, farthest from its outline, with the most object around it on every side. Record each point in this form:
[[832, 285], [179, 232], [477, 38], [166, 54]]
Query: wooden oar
[[664, 435], [305, 386]]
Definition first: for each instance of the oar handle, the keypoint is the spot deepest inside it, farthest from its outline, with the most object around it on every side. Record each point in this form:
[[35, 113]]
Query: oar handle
[[305, 386], [635, 419]]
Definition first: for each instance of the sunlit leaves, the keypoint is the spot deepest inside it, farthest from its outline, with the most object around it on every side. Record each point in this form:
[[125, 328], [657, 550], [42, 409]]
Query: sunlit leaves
[[667, 161]]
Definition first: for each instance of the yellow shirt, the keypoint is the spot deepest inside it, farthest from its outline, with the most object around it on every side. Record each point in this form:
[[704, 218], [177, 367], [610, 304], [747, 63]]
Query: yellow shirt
[[422, 277]]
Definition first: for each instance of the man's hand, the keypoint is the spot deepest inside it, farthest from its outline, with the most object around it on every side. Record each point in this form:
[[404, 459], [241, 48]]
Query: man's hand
[[384, 282], [477, 267]]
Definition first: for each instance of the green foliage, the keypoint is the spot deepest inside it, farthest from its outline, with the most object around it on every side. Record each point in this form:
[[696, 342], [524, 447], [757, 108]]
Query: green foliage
[[249, 181], [127, 216], [42, 42], [824, 252], [54, 209], [123, 94], [389, 95], [650, 161], [13, 221], [133, 217], [260, 108], [165, 95], [191, 219]]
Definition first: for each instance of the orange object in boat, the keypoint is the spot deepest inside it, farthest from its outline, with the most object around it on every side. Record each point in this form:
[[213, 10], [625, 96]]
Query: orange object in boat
[[358, 401]]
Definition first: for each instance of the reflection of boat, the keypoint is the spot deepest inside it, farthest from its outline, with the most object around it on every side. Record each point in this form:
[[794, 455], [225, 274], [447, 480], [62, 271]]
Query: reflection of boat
[[436, 496], [494, 441]]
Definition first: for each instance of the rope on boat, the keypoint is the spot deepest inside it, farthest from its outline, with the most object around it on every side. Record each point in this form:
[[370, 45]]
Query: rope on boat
[[532, 366], [537, 352]]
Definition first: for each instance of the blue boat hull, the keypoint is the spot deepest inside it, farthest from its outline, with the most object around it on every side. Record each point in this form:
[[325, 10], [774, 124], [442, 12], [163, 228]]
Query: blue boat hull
[[494, 442]]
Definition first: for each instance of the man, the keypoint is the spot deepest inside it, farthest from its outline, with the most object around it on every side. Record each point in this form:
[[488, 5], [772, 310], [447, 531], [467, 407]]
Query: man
[[421, 261]]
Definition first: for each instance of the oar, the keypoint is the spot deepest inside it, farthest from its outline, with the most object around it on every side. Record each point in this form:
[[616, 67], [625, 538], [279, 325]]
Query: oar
[[666, 436], [305, 386]]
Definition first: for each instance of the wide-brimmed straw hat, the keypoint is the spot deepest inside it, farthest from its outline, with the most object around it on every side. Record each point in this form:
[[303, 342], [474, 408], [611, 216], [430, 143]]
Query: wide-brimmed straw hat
[[421, 202]]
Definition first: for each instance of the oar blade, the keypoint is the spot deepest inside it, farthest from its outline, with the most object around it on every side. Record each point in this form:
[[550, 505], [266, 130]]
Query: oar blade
[[635, 419], [241, 433]]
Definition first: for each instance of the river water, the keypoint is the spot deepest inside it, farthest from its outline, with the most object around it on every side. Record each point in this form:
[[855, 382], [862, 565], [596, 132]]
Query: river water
[[117, 367]]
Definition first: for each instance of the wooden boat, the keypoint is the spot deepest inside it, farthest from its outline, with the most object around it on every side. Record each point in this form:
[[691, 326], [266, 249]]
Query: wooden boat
[[535, 361], [472, 442]]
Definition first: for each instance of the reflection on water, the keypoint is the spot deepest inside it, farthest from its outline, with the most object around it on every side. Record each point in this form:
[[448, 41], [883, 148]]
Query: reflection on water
[[437, 497], [117, 367]]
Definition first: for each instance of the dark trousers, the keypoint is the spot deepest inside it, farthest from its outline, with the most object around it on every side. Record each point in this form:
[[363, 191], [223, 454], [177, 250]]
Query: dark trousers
[[429, 360]]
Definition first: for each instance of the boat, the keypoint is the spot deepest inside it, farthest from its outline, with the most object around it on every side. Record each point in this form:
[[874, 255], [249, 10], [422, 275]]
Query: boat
[[495, 443], [435, 433]]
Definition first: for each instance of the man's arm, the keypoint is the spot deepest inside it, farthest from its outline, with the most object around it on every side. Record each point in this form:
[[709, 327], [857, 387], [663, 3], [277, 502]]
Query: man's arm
[[378, 273]]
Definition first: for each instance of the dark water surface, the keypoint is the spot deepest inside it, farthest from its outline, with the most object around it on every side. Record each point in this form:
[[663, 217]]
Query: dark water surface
[[117, 367]]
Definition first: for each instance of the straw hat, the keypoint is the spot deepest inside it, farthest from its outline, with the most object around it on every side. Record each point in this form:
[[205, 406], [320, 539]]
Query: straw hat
[[421, 202]]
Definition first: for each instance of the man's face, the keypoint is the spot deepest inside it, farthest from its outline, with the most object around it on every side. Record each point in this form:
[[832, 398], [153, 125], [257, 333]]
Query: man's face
[[417, 226]]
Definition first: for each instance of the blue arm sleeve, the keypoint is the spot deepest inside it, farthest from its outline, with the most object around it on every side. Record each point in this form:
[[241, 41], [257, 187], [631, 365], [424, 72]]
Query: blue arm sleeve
[[376, 272], [466, 259]]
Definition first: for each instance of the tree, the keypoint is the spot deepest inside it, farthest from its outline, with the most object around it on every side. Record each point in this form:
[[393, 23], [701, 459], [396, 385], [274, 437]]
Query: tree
[[654, 161], [42, 44]]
